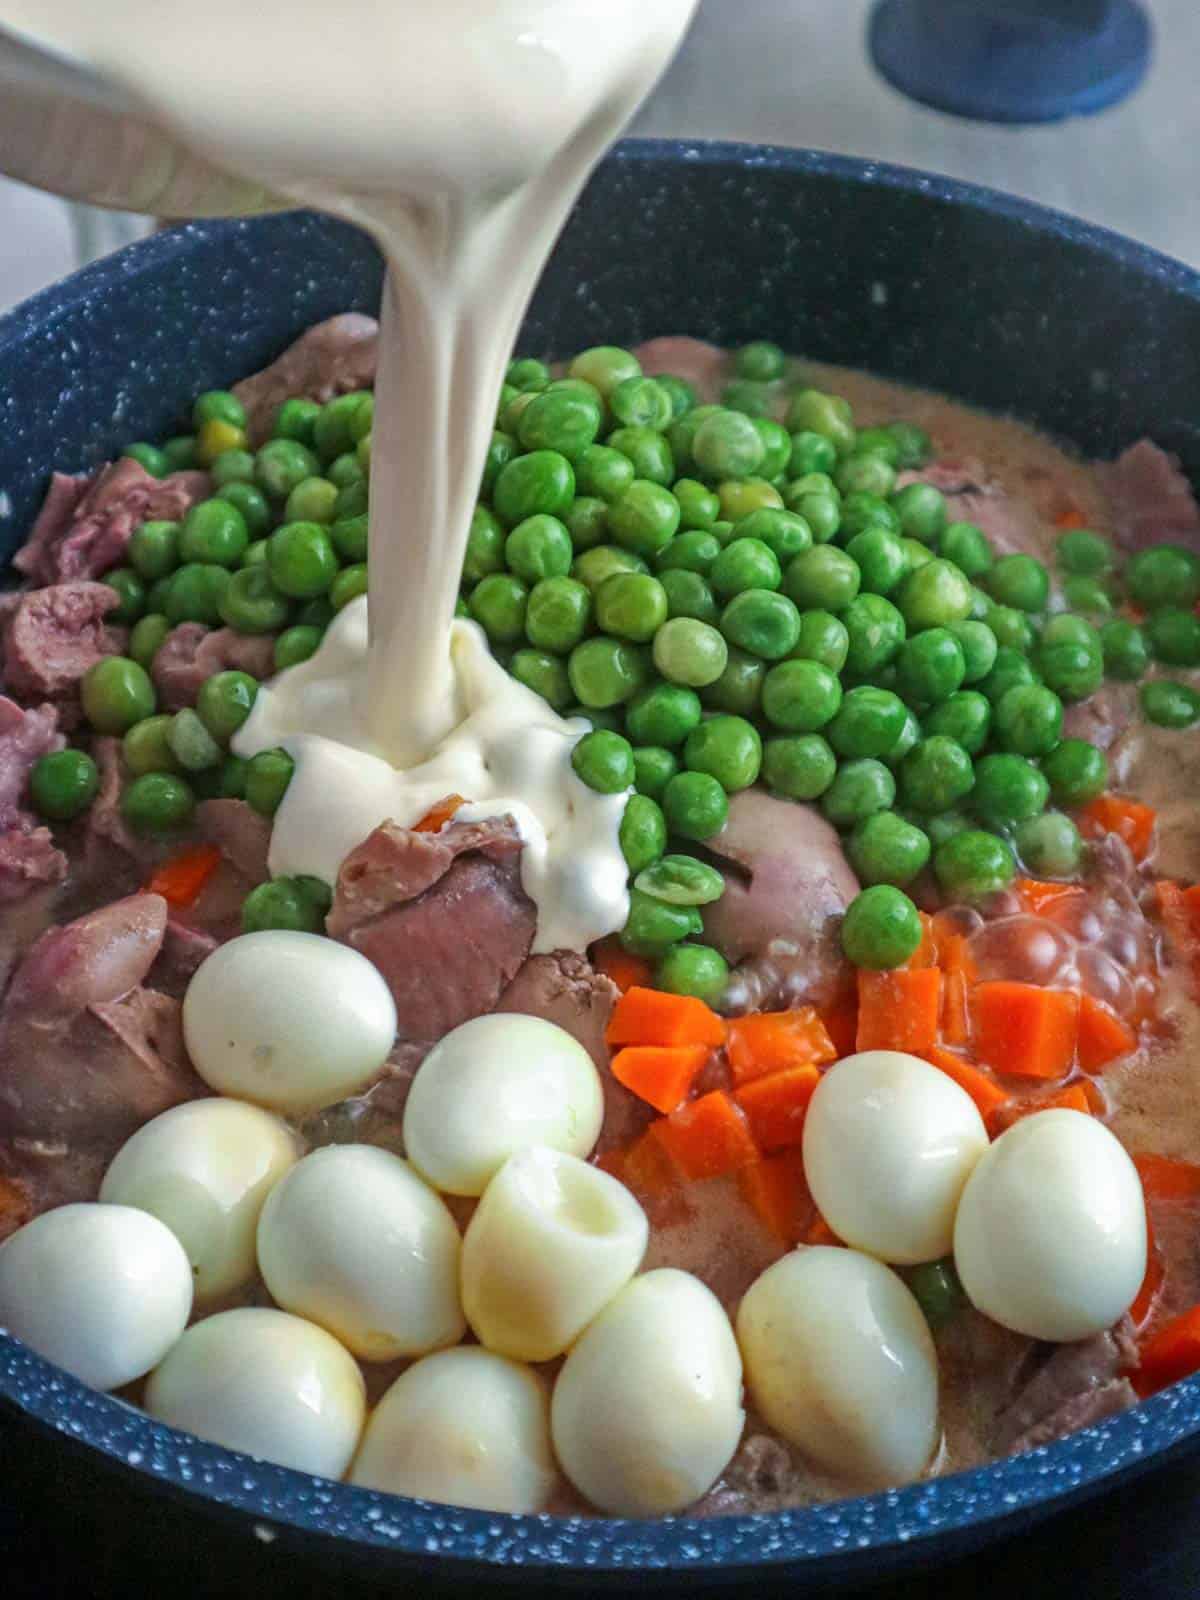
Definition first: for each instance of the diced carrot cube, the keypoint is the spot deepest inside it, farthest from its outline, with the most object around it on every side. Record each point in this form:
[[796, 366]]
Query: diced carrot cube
[[707, 1138], [662, 1075], [899, 1010], [775, 1040], [776, 1107], [1103, 1037], [1023, 1030], [1128, 819], [986, 1092], [651, 1016], [775, 1190]]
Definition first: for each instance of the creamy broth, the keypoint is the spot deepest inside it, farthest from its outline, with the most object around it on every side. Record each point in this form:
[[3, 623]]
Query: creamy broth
[[459, 136]]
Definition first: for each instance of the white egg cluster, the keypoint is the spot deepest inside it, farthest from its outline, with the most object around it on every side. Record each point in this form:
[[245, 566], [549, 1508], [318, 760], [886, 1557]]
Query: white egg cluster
[[364, 1259]]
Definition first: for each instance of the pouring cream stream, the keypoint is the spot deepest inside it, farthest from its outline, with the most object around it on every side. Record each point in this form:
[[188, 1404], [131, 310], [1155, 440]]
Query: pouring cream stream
[[459, 135]]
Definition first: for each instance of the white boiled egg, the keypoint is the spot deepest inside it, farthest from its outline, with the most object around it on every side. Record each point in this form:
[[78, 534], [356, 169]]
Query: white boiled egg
[[840, 1361], [889, 1142], [261, 1381], [550, 1244], [356, 1242], [1051, 1233], [647, 1409], [465, 1427], [493, 1086], [204, 1169], [290, 1021], [102, 1290]]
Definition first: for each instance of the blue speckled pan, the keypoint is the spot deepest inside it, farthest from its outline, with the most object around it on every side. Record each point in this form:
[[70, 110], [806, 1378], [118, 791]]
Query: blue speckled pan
[[992, 300]]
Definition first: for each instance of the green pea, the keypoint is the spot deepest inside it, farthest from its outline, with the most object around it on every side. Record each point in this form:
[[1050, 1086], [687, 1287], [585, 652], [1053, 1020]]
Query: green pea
[[179, 453], [502, 447], [760, 361], [145, 638], [643, 832], [232, 466], [681, 434], [1168, 704], [158, 803], [801, 696], [930, 667], [881, 928], [875, 632], [498, 603], [1049, 845], [351, 501], [865, 474], [695, 805], [821, 512], [693, 969], [295, 645], [116, 693], [642, 403], [878, 442], [978, 645], [664, 714], [909, 737], [213, 531], [751, 399], [811, 452], [301, 560], [193, 747], [350, 539], [343, 421], [653, 925], [1011, 627], [350, 583], [1088, 595], [605, 672], [967, 547], [922, 511], [540, 547], [194, 593], [934, 596], [1085, 553], [218, 405], [604, 761], [597, 717], [688, 595], [698, 506], [645, 518], [562, 420], [1076, 771], [859, 789], [777, 447], [1070, 657], [1029, 720], [964, 717], [823, 578], [281, 903], [1008, 789], [653, 769], [826, 414], [149, 457], [63, 784], [558, 614], [296, 419], [316, 613], [728, 445], [784, 533], [1173, 633], [1020, 581], [1167, 575], [744, 564], [130, 592], [681, 881], [527, 374], [946, 826], [541, 482], [594, 566], [689, 652], [727, 748], [605, 366], [913, 445], [862, 510], [694, 551], [631, 605], [881, 558], [1010, 669], [885, 848], [649, 451], [973, 865], [267, 777], [801, 766], [587, 522], [251, 603], [822, 638], [680, 393], [225, 701], [1125, 650], [936, 774], [154, 550], [740, 498], [146, 747], [603, 473], [868, 723], [764, 624], [916, 555], [281, 464], [938, 1292]]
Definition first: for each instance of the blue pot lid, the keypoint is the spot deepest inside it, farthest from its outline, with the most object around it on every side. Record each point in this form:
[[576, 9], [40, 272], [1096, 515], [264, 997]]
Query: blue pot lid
[[1012, 60]]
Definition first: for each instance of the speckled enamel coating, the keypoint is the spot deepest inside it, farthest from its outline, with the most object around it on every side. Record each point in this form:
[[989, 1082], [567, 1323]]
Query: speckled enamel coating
[[994, 300]]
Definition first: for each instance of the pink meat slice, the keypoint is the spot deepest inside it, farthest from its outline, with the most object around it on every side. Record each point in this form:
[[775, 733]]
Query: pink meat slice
[[336, 357], [1152, 502], [192, 653], [57, 634], [1011, 523]]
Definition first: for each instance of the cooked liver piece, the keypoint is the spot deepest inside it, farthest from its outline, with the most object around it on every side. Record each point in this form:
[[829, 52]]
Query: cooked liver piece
[[191, 653], [82, 533], [55, 635], [443, 916], [1010, 522], [29, 858], [1070, 1386], [241, 834], [1151, 499], [336, 357]]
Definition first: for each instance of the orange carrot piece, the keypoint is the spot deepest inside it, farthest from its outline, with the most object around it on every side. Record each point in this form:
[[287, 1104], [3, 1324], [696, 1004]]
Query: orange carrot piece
[[986, 1092], [650, 1016], [841, 1024], [617, 964], [1072, 1098], [1103, 1037], [899, 1010], [1129, 819], [1023, 1030], [954, 953], [1072, 518], [436, 818], [955, 1028], [181, 879], [707, 1138], [773, 1041], [1043, 898], [925, 955], [776, 1107], [819, 1232], [775, 1190], [1172, 1353], [1142, 1308], [660, 1074], [1166, 1178]]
